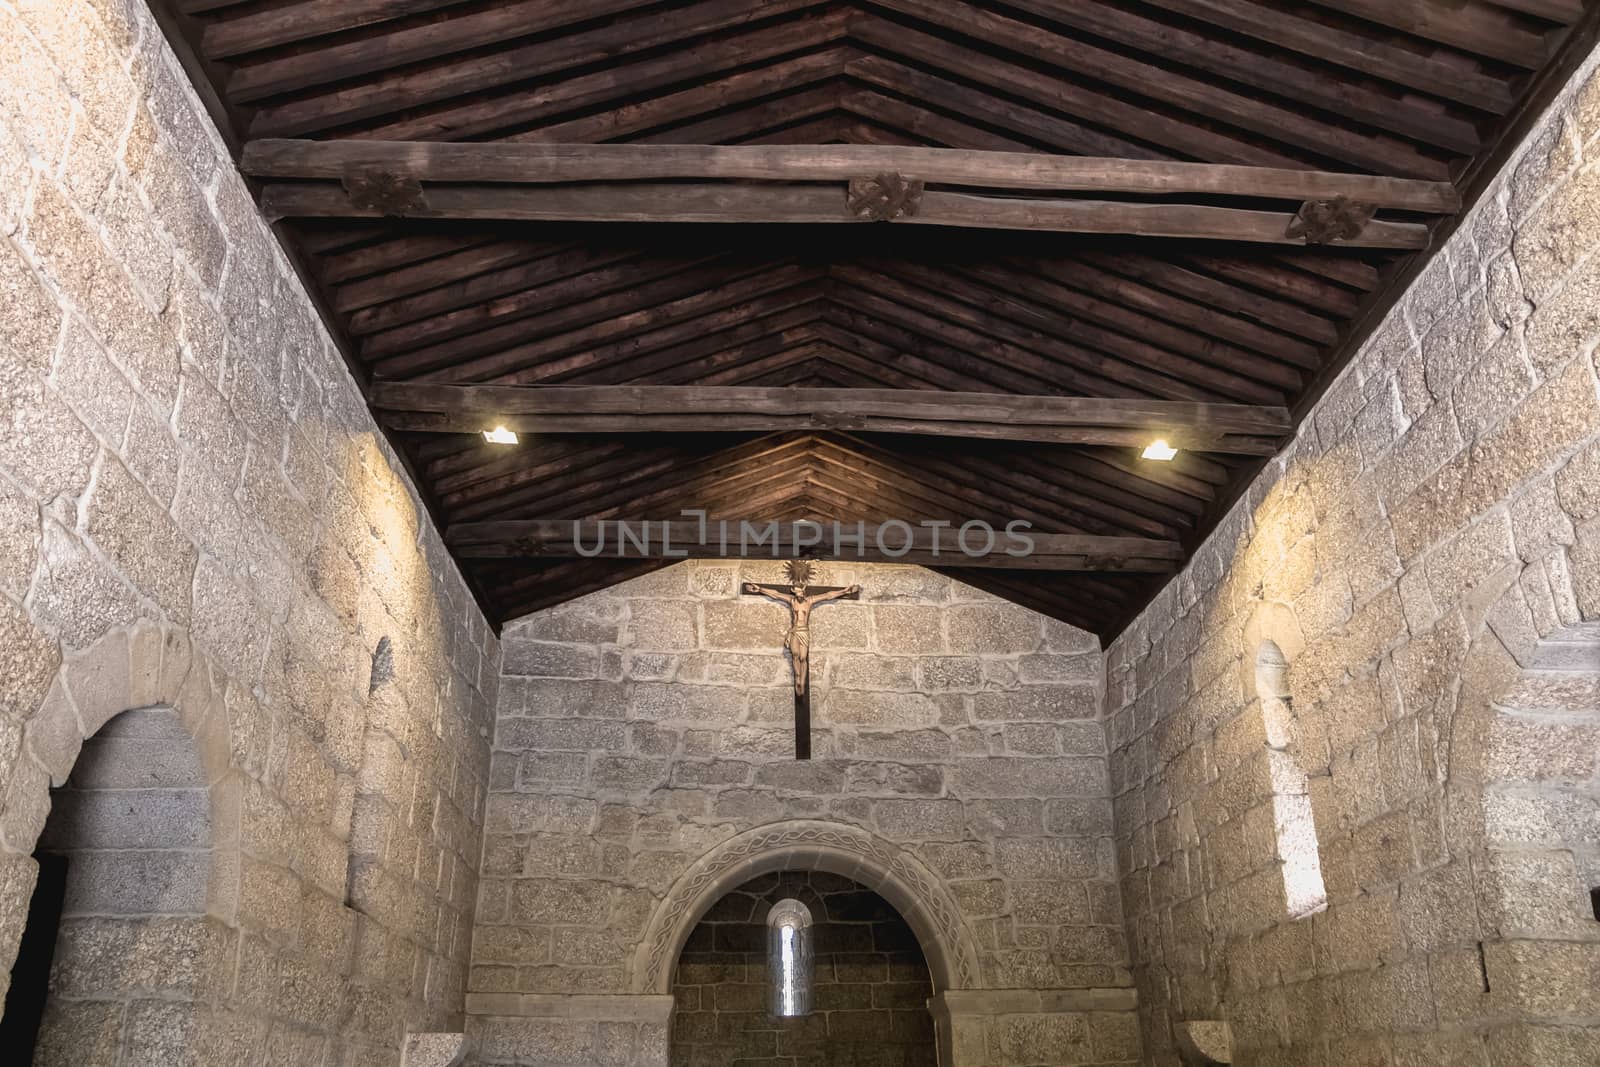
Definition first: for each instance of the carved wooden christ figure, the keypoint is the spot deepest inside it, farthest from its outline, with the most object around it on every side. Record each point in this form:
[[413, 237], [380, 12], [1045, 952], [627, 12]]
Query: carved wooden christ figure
[[801, 596]]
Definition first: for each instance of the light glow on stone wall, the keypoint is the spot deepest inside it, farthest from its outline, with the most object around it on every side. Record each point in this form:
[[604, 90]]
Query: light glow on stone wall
[[1293, 820]]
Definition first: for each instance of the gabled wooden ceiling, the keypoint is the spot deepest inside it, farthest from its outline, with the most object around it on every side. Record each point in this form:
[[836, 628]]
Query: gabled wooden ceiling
[[1424, 89]]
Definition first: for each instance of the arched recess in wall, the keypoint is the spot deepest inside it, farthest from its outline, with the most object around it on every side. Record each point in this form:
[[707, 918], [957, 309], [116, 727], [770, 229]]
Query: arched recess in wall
[[123, 773], [1271, 639], [1293, 822], [909, 887]]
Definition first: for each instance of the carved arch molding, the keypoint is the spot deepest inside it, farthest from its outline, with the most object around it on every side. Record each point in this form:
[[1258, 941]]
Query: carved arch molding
[[885, 868]]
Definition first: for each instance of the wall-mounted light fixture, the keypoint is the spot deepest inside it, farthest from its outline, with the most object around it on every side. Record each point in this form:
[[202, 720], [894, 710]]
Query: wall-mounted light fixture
[[500, 436], [1161, 452]]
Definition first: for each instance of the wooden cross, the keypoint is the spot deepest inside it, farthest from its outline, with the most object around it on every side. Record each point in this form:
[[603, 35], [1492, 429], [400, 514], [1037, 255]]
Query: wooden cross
[[801, 597]]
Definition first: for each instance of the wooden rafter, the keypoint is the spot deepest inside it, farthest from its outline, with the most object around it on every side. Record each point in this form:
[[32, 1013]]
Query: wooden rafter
[[681, 409]]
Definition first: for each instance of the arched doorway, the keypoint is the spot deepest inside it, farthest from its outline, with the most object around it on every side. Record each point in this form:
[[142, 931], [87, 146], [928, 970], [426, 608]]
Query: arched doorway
[[121, 899], [117, 812], [866, 989]]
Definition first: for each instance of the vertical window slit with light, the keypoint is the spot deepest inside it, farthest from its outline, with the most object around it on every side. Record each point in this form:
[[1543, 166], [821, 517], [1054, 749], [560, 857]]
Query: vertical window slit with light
[[789, 959]]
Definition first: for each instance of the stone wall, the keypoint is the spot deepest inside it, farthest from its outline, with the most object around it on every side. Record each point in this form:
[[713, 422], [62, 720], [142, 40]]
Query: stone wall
[[870, 985], [197, 512], [1435, 518], [644, 727]]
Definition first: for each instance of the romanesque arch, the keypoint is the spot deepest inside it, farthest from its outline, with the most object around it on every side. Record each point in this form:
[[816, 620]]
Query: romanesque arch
[[139, 688], [894, 874]]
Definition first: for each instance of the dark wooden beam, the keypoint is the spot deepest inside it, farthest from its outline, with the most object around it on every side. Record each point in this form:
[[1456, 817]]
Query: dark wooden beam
[[536, 164], [561, 538], [439, 408], [752, 204]]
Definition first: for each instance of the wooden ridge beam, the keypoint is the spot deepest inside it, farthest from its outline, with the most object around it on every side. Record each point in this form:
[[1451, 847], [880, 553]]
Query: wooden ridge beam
[[562, 538], [751, 204], [535, 164], [611, 409]]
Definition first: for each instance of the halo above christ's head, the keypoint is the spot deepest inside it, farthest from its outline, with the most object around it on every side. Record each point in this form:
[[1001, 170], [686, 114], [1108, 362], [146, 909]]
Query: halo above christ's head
[[801, 572]]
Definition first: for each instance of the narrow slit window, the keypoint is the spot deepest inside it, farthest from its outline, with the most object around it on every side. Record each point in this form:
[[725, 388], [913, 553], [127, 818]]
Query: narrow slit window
[[789, 959], [1295, 826]]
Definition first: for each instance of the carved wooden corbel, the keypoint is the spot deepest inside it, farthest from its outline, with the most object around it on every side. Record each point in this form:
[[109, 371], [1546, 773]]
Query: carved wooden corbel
[[384, 191], [885, 198], [1323, 222]]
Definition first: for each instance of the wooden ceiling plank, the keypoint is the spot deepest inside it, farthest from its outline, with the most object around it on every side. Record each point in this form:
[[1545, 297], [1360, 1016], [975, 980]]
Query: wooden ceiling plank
[[1471, 27], [619, 465], [979, 105], [391, 250], [741, 122], [1358, 52], [399, 47], [287, 24], [569, 114], [1120, 349], [469, 284], [731, 363], [1069, 368], [1266, 71], [998, 287], [401, 280], [710, 98], [779, 361], [1129, 120], [1565, 12], [589, 329], [1275, 279], [1242, 111], [1206, 319], [833, 127], [569, 283], [658, 354], [1046, 504], [435, 86], [934, 367], [535, 164], [1203, 289], [911, 124], [582, 324]]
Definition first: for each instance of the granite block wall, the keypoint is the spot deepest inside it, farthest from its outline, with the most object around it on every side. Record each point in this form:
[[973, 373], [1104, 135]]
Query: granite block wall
[[1412, 559], [642, 727], [196, 512]]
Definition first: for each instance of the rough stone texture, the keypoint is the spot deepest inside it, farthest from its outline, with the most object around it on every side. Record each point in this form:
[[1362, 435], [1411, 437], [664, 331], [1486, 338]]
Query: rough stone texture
[[641, 727], [869, 991], [197, 511], [1425, 544]]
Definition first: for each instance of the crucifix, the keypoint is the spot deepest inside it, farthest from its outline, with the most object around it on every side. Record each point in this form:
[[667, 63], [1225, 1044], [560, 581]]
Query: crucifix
[[801, 596]]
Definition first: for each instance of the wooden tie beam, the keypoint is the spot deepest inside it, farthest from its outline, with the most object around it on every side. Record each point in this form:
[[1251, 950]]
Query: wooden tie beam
[[827, 184], [555, 409], [663, 540]]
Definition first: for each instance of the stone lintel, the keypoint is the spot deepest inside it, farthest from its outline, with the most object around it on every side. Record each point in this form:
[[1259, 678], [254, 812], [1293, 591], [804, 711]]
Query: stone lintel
[[611, 1009]]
